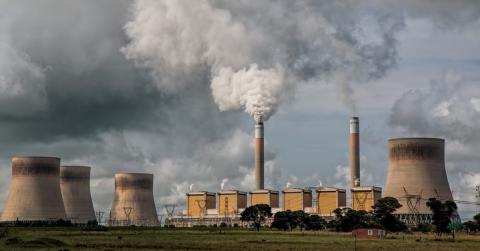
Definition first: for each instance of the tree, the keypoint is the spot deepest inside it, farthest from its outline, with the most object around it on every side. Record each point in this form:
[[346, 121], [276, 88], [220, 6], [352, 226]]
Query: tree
[[347, 219], [442, 213], [383, 214], [280, 221], [285, 220], [477, 219], [315, 222], [257, 214], [471, 226], [299, 218]]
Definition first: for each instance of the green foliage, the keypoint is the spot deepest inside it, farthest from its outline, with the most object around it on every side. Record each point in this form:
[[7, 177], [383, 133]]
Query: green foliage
[[285, 220], [477, 219], [257, 214], [442, 213], [383, 214], [471, 226], [347, 219], [315, 222]]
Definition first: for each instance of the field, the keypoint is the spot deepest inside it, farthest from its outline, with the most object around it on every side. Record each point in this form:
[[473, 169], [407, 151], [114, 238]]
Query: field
[[211, 239]]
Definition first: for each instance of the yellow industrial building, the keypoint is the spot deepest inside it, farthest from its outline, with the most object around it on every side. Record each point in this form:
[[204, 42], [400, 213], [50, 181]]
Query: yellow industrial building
[[199, 202], [297, 199], [231, 201], [329, 199], [265, 196], [364, 197]]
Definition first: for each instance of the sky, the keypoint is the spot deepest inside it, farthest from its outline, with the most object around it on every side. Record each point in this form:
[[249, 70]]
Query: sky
[[173, 87]]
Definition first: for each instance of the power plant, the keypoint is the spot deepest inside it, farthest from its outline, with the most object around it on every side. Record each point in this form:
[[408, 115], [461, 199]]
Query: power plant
[[75, 187], [42, 190], [35, 193], [416, 172], [133, 202]]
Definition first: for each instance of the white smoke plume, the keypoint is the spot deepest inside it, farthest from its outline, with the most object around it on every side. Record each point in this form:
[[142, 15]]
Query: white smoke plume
[[190, 188], [256, 53], [254, 90], [222, 185], [288, 185]]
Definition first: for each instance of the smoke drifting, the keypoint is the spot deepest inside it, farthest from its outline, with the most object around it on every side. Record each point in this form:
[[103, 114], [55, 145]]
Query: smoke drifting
[[256, 91], [257, 53]]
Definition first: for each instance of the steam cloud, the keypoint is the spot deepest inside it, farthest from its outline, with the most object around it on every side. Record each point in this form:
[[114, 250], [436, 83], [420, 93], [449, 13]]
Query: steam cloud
[[255, 57]]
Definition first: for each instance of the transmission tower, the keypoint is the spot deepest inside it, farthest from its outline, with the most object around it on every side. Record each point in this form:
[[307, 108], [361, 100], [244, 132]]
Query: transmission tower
[[99, 215], [170, 209], [128, 211]]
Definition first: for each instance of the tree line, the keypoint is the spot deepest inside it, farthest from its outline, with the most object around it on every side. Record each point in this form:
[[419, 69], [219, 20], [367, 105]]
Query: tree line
[[347, 219]]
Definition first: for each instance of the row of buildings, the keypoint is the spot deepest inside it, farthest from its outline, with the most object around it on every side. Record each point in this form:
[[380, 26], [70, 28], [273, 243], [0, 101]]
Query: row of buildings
[[322, 201]]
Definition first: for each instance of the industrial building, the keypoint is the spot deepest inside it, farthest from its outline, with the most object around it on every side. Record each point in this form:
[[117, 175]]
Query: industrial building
[[75, 188], [265, 196], [133, 203], [231, 202], [297, 199], [364, 197], [34, 190], [329, 199], [198, 203], [416, 172]]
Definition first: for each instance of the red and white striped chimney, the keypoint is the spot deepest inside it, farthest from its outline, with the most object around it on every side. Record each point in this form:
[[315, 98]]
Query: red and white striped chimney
[[354, 152]]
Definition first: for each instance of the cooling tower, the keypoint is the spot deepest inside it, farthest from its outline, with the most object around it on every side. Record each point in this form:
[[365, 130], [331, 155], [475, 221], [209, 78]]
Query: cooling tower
[[259, 156], [354, 152], [75, 187], [133, 203], [34, 190], [416, 172]]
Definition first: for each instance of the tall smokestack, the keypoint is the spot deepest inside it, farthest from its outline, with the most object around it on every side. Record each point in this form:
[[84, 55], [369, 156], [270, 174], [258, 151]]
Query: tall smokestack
[[259, 158], [354, 152]]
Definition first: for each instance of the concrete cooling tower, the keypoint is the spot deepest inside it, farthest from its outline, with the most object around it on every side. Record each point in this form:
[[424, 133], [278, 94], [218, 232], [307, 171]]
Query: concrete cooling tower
[[416, 172], [133, 203], [75, 187], [34, 190]]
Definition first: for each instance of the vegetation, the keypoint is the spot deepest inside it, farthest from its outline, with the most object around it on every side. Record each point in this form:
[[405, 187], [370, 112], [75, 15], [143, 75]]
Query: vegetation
[[256, 214], [288, 220], [347, 219], [472, 226], [442, 214], [383, 214], [233, 239]]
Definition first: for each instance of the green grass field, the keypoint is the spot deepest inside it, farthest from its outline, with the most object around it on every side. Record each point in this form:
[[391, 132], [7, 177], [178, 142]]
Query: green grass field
[[231, 240]]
